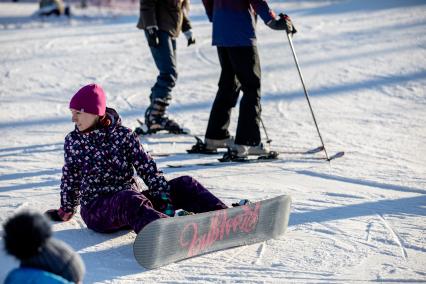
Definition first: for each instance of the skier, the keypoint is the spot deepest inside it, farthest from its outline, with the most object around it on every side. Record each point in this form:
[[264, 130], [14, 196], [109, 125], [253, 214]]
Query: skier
[[44, 259], [235, 38], [163, 21], [100, 158]]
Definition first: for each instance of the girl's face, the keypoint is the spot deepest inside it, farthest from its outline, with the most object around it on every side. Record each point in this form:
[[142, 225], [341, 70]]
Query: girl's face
[[83, 120]]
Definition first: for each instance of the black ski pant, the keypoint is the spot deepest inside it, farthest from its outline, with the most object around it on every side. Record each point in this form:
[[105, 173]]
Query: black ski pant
[[240, 71]]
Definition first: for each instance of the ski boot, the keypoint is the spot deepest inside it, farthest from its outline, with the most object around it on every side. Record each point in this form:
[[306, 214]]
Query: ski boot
[[240, 152], [156, 120], [210, 146]]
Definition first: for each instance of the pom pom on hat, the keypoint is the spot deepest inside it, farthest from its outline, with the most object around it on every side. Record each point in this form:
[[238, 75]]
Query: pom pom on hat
[[90, 99], [25, 233], [28, 237]]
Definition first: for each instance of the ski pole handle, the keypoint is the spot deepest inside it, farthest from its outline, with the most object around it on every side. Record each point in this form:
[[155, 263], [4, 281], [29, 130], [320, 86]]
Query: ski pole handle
[[290, 27]]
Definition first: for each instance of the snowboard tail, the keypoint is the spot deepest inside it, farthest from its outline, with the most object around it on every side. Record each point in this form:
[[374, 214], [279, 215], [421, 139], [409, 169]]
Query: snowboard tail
[[173, 239]]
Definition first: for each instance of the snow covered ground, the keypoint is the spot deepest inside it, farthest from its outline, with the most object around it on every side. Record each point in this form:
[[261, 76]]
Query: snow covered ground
[[359, 219]]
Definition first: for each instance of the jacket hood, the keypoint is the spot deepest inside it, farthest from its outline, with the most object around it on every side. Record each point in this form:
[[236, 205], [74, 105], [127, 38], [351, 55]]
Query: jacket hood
[[113, 115]]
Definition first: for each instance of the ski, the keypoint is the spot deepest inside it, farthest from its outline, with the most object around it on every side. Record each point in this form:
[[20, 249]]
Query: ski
[[218, 163], [273, 157], [199, 149], [169, 240], [222, 152]]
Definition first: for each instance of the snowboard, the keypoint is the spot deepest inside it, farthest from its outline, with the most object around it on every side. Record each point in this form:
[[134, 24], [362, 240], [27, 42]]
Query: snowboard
[[169, 240]]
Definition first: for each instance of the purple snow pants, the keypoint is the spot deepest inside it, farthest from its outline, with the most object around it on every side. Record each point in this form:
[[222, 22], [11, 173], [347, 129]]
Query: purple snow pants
[[134, 209]]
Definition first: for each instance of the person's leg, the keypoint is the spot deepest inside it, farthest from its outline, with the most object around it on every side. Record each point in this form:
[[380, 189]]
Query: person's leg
[[226, 99], [188, 194], [165, 59], [124, 209], [245, 61]]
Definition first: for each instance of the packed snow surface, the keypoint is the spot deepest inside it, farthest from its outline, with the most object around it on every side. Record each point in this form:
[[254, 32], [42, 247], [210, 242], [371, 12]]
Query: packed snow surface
[[360, 218]]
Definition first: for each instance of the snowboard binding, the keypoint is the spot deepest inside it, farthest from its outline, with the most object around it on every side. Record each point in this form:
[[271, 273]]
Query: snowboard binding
[[144, 129], [156, 120]]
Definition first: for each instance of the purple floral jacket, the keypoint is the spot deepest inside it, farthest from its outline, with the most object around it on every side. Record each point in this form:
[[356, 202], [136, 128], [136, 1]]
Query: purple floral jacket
[[103, 161]]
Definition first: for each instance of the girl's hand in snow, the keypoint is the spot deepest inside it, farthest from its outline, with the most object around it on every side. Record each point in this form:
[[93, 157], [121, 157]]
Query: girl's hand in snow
[[58, 215]]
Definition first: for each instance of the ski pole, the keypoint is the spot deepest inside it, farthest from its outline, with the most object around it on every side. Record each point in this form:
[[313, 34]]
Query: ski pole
[[306, 92], [264, 130]]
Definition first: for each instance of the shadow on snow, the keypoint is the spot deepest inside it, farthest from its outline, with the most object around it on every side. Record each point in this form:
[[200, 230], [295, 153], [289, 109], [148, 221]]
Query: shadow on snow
[[341, 89]]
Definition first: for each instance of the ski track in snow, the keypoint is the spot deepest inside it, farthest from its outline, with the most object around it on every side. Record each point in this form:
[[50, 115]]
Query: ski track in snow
[[358, 219], [395, 236]]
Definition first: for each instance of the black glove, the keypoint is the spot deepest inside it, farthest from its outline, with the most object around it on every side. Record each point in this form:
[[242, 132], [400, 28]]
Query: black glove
[[58, 215], [189, 36], [283, 23], [152, 36]]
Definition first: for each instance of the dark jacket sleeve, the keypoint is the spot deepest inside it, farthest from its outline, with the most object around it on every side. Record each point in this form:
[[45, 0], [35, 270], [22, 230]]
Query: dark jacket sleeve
[[186, 23], [208, 6], [261, 8], [70, 181]]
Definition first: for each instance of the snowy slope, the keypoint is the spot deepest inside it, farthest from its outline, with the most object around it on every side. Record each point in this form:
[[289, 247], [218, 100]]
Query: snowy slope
[[359, 219]]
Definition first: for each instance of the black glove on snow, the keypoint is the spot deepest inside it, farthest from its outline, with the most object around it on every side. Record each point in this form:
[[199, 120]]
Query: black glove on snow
[[190, 37], [283, 23], [58, 215], [153, 39], [53, 215]]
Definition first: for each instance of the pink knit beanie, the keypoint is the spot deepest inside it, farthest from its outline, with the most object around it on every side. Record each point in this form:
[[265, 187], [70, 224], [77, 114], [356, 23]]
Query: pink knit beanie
[[91, 99]]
